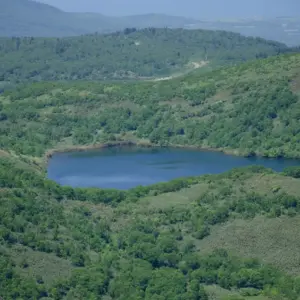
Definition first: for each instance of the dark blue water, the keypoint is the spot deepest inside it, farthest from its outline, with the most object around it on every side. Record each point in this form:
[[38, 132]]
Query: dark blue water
[[124, 168]]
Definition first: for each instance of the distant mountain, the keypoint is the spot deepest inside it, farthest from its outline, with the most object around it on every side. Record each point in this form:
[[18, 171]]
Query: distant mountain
[[284, 29], [29, 18]]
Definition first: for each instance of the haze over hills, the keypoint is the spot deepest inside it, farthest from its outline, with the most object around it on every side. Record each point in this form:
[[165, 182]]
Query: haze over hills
[[283, 29], [29, 18], [197, 9]]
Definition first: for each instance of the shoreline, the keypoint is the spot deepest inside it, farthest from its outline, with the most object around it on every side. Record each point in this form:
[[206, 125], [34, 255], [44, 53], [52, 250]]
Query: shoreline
[[48, 155]]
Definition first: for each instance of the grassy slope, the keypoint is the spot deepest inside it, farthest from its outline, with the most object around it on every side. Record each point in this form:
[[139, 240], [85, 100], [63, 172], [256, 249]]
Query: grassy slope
[[217, 293], [273, 240], [228, 109]]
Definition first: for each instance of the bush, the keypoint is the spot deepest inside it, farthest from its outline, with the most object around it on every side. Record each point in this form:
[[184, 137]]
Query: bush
[[292, 172]]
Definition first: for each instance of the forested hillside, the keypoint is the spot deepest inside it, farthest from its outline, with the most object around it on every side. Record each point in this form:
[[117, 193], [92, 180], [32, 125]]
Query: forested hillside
[[64, 243], [128, 54], [249, 109], [215, 237]]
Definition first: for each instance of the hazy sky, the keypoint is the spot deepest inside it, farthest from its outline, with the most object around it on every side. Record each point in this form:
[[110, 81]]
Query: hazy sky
[[191, 8]]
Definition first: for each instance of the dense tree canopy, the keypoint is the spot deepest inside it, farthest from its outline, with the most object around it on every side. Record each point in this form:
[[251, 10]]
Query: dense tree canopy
[[128, 54], [124, 250], [58, 242], [228, 109]]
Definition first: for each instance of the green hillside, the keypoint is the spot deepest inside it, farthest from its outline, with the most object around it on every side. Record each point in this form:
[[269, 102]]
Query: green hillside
[[64, 243], [215, 237], [249, 109], [127, 54]]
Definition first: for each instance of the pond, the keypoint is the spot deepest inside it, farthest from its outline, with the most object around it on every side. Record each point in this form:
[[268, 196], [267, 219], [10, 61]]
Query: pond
[[125, 168]]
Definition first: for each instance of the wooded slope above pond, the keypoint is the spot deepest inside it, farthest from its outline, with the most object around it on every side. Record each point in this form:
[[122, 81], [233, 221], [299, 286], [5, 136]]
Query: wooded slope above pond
[[250, 109]]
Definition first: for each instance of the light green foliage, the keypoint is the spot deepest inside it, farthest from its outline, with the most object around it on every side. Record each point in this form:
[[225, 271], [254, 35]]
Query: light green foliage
[[32, 263], [274, 240], [292, 171], [237, 113]]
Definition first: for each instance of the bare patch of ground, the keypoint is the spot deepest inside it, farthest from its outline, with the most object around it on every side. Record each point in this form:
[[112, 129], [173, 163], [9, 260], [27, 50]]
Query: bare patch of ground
[[274, 241], [192, 66]]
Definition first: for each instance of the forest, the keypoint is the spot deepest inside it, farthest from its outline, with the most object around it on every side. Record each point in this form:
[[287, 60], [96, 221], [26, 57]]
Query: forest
[[64, 243], [232, 236], [228, 109], [130, 54]]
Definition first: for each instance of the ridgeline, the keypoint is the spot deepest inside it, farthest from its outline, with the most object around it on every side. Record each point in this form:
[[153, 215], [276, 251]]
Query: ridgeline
[[130, 54]]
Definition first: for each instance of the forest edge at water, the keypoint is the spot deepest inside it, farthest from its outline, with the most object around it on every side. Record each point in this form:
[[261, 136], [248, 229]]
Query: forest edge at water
[[228, 109]]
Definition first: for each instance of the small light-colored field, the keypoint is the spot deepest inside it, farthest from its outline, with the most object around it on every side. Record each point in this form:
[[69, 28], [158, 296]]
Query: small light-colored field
[[274, 241], [217, 293], [35, 264]]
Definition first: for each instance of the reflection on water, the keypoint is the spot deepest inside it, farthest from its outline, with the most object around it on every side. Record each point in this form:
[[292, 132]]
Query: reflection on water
[[86, 180], [168, 162], [124, 168]]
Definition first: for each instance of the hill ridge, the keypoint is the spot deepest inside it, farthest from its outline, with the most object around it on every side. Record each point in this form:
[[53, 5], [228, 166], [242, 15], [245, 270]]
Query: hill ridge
[[130, 54], [32, 18]]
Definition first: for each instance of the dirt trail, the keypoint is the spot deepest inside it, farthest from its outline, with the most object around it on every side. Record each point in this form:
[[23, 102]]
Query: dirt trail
[[193, 66], [3, 153]]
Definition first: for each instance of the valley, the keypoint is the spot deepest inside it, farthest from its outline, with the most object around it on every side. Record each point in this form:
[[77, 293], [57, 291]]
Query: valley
[[204, 110], [204, 232]]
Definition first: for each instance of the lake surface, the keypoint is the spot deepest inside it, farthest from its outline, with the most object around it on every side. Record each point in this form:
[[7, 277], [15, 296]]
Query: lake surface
[[125, 168]]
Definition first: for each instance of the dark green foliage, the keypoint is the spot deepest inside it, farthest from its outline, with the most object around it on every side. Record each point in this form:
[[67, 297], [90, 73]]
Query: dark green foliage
[[292, 171], [13, 286], [116, 246], [149, 258], [128, 54]]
